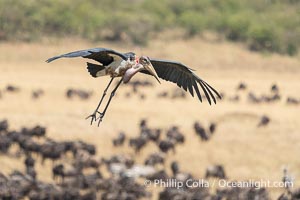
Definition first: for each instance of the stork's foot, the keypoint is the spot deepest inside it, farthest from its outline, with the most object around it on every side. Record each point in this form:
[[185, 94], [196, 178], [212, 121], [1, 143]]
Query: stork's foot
[[100, 118], [93, 116]]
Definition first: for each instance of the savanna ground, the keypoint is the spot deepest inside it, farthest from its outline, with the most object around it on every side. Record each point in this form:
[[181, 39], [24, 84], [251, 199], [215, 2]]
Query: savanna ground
[[247, 152]]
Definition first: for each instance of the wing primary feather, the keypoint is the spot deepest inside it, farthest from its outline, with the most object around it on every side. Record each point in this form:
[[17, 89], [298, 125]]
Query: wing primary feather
[[162, 72], [181, 81], [184, 82], [178, 81], [190, 86], [213, 89], [169, 74], [178, 75], [53, 58], [197, 90], [173, 76], [211, 94], [205, 92]]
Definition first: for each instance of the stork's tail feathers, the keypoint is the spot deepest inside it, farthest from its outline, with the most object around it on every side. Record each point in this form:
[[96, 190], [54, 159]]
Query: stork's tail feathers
[[96, 70]]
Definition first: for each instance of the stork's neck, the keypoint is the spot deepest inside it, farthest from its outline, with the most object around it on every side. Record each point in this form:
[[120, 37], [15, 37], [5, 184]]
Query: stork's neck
[[131, 72]]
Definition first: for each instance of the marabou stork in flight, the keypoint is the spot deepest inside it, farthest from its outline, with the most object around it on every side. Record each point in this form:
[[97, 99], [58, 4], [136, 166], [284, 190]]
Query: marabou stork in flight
[[126, 65]]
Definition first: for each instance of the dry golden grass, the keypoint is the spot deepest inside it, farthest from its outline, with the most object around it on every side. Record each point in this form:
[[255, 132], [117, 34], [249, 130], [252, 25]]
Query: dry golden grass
[[246, 151]]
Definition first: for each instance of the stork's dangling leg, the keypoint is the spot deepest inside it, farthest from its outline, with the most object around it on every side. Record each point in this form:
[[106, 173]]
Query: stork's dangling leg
[[93, 116], [112, 94]]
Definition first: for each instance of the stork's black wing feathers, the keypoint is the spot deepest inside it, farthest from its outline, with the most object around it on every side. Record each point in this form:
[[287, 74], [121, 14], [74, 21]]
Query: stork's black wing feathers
[[102, 55], [184, 77]]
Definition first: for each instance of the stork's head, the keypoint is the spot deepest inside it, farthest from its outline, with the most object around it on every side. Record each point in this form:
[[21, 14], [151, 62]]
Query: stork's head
[[131, 56], [146, 63]]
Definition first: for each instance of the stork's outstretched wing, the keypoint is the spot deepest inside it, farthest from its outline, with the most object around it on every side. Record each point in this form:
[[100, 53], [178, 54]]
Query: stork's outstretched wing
[[102, 55], [184, 77]]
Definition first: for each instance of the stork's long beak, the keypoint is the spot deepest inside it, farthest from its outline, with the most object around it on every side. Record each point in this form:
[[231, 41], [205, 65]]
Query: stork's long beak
[[152, 71]]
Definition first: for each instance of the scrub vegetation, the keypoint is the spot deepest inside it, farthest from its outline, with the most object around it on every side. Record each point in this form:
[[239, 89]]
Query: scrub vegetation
[[268, 25]]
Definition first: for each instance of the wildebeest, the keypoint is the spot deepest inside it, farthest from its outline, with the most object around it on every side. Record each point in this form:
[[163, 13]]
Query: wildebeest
[[166, 145], [174, 134], [29, 161], [264, 121], [60, 171], [37, 93], [71, 93], [119, 140], [154, 159], [174, 167], [3, 125], [275, 88], [216, 171], [12, 88], [292, 101], [242, 86], [37, 131], [5, 143], [212, 128], [200, 130], [138, 143]]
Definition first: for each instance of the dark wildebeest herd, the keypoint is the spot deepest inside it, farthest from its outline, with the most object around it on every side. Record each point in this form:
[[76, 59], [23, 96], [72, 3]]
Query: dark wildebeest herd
[[79, 172], [273, 95]]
